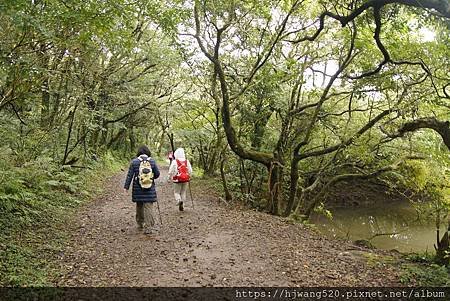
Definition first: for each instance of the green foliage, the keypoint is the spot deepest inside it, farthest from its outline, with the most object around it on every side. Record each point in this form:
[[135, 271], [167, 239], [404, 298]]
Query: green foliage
[[423, 271], [429, 180], [322, 210], [416, 174], [78, 80], [22, 265], [430, 275], [420, 257], [35, 198], [198, 172]]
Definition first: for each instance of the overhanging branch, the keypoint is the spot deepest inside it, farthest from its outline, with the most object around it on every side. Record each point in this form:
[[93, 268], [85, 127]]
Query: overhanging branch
[[362, 176], [441, 127]]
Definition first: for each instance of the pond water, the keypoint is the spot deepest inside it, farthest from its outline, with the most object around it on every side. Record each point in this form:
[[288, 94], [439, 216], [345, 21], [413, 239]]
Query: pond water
[[399, 219]]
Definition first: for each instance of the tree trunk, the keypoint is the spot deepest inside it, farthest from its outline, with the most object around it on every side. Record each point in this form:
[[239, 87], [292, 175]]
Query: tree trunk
[[228, 195], [443, 246], [69, 133], [132, 140], [161, 143], [104, 135], [172, 144], [293, 187], [115, 139], [212, 159], [45, 93], [275, 175]]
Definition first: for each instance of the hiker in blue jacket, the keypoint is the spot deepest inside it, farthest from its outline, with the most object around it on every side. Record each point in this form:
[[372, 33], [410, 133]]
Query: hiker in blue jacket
[[143, 193]]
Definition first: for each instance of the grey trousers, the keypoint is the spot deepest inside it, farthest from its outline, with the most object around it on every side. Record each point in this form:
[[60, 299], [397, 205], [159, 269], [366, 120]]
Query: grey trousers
[[179, 190], [145, 217]]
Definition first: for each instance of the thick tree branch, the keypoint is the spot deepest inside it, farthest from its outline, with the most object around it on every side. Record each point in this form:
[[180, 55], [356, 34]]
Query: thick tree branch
[[144, 71], [441, 6], [441, 127], [302, 108], [198, 38], [444, 89], [376, 36], [137, 109]]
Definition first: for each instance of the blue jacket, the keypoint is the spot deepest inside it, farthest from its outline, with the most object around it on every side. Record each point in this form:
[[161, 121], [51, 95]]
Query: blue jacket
[[139, 194]]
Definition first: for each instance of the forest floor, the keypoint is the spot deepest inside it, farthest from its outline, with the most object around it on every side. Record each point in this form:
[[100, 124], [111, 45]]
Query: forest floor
[[211, 245]]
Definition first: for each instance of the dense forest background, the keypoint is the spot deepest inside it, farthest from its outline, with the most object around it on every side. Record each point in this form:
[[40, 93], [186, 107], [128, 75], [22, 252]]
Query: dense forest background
[[279, 101]]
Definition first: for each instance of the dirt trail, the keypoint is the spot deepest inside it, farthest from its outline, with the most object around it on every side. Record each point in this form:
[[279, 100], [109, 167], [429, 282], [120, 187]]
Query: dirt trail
[[209, 246]]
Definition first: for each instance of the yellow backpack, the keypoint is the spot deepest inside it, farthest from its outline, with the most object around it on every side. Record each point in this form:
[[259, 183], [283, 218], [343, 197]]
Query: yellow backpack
[[145, 173]]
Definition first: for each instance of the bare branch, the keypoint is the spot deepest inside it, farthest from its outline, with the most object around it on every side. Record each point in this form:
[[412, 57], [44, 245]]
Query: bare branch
[[302, 108], [17, 113]]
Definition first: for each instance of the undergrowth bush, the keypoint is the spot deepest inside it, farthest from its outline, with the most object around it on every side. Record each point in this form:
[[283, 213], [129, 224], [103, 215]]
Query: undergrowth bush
[[421, 269], [36, 196], [430, 275]]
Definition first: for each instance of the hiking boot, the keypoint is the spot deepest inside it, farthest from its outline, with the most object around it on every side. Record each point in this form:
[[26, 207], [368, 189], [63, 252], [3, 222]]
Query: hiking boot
[[148, 232], [180, 206], [140, 227]]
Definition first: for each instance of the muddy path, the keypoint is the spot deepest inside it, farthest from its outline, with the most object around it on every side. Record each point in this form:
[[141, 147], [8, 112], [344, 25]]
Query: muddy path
[[212, 245]]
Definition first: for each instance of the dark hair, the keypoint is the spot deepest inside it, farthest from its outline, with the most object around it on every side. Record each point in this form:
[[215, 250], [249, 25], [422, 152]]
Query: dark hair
[[143, 150]]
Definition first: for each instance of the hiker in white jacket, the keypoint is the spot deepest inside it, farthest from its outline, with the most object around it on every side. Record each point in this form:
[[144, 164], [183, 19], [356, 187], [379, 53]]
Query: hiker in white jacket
[[180, 171]]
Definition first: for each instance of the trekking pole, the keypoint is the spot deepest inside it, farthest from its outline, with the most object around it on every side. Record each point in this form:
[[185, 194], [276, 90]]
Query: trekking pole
[[190, 192], [159, 211]]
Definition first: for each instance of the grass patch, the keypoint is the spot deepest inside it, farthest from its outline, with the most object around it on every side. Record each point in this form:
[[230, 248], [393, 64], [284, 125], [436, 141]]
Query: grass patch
[[376, 260]]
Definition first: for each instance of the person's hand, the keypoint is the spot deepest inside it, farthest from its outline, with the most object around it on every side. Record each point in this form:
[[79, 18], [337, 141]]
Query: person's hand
[[125, 190]]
